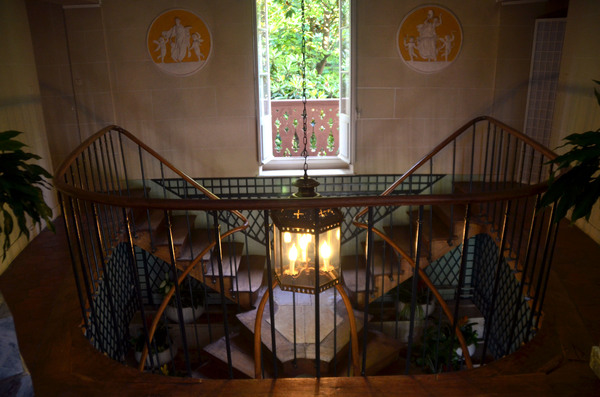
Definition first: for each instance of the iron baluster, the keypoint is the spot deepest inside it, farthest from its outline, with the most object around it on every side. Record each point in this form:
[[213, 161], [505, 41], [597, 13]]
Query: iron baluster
[[148, 216], [106, 278], [114, 163], [415, 284], [138, 291], [462, 271], [317, 300], [552, 226], [218, 253], [271, 300], [71, 244], [146, 276], [489, 322], [486, 157], [544, 272], [369, 259], [175, 278]]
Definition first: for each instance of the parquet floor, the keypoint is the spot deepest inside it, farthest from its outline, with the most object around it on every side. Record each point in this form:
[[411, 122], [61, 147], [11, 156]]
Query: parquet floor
[[40, 291]]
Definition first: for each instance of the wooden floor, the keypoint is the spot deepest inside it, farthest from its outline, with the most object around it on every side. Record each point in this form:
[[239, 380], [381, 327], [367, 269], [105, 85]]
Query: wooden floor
[[40, 291]]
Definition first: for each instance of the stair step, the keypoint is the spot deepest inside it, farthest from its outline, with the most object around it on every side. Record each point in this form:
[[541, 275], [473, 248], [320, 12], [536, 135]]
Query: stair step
[[403, 237], [352, 266], [256, 265], [434, 226], [381, 352], [138, 192], [242, 359], [147, 220], [231, 258], [195, 244], [181, 225]]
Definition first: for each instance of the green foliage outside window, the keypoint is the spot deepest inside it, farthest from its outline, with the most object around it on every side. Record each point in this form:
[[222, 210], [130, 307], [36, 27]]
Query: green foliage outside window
[[322, 49]]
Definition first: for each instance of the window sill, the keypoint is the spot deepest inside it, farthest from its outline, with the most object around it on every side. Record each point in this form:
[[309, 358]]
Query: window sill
[[295, 167]]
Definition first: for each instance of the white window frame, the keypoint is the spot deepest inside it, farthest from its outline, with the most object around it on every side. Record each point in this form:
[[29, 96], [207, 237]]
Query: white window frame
[[292, 166]]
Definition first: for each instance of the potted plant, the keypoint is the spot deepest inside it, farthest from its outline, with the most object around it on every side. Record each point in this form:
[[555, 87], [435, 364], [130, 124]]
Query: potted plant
[[20, 190], [192, 301], [441, 349], [578, 186], [471, 339], [425, 301], [424, 307], [160, 346]]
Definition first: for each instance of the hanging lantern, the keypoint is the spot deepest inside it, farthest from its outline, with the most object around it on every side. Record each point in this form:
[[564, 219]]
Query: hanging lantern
[[307, 241]]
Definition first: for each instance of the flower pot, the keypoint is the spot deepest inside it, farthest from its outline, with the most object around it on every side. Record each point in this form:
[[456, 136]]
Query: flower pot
[[422, 310], [189, 314], [160, 358], [404, 331], [470, 348]]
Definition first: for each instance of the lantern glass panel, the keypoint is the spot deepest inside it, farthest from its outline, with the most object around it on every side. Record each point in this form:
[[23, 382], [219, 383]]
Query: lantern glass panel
[[295, 254]]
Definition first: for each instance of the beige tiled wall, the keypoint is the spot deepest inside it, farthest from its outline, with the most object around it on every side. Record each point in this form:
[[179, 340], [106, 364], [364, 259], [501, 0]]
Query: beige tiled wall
[[576, 107], [515, 40], [402, 113], [21, 107], [205, 123]]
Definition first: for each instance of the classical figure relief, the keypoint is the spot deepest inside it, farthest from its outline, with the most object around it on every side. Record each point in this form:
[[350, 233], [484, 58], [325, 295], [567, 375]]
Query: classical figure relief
[[429, 39], [179, 42]]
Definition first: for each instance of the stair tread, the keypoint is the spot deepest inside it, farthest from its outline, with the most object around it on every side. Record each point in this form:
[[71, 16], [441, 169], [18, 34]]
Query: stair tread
[[241, 359], [477, 187], [434, 226], [402, 236], [381, 351], [146, 220], [231, 258], [195, 244], [256, 264], [354, 268], [380, 251], [180, 229], [450, 214]]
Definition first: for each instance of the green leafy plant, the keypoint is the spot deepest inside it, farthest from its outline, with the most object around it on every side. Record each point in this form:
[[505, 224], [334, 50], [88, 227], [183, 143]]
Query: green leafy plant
[[578, 183], [190, 297], [439, 348], [425, 302], [20, 188], [160, 342]]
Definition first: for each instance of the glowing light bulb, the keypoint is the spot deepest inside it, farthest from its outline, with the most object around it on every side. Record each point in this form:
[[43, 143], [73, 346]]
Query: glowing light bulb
[[293, 255], [304, 240], [287, 237], [325, 252]]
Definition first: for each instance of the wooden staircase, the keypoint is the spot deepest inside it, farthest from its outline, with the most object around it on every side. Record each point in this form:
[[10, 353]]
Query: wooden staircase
[[442, 229], [242, 274], [334, 345]]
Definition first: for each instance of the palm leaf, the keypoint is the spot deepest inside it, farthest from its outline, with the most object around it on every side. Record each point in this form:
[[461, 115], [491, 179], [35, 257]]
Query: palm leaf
[[20, 188]]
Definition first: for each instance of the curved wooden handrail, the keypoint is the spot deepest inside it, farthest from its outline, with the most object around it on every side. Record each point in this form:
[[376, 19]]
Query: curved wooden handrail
[[169, 295], [423, 276], [76, 192], [258, 330], [218, 204], [519, 135], [127, 202], [235, 205], [472, 198]]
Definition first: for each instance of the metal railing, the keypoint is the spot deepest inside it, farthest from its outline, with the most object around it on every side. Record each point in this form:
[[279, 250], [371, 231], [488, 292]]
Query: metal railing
[[323, 127], [472, 238]]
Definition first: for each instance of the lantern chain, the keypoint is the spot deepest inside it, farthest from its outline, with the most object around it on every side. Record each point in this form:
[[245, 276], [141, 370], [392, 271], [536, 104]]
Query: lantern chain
[[304, 114]]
